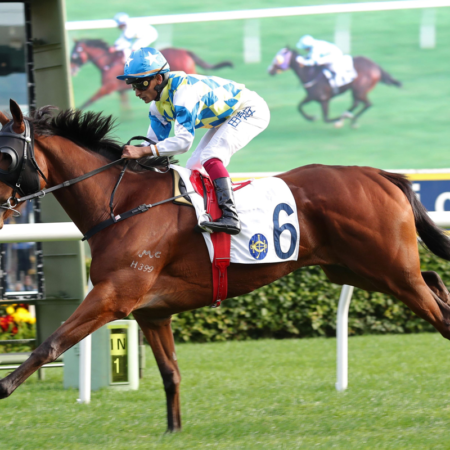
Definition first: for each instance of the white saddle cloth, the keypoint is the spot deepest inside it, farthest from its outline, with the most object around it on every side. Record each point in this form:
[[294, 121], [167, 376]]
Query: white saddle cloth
[[344, 71], [269, 223]]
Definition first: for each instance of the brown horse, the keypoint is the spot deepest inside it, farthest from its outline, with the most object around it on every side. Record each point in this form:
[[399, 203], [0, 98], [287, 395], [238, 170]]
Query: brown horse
[[111, 64], [358, 223], [318, 88]]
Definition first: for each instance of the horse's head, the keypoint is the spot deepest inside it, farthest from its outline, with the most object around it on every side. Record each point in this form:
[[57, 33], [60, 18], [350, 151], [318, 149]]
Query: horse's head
[[78, 57], [281, 62], [19, 171], [94, 50]]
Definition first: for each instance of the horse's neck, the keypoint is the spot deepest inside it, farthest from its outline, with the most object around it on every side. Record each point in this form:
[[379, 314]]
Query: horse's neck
[[302, 72], [86, 202], [99, 57]]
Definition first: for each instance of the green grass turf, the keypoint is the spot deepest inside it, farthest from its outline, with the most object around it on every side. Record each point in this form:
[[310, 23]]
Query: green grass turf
[[254, 395], [406, 128]]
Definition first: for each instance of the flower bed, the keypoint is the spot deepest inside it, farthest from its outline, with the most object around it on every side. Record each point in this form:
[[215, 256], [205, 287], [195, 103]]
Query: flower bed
[[16, 322]]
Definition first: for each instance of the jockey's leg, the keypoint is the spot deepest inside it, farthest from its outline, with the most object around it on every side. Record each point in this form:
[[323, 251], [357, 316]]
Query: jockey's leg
[[220, 144], [229, 222]]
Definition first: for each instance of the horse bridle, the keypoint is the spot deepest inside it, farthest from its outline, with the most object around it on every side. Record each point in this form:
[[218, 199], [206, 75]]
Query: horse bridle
[[23, 175], [23, 172]]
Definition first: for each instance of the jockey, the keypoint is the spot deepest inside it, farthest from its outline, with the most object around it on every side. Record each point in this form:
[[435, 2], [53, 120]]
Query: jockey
[[321, 53], [142, 35], [233, 115]]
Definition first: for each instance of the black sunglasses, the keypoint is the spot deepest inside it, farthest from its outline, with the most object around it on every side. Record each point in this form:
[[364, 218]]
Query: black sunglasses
[[145, 83], [142, 85]]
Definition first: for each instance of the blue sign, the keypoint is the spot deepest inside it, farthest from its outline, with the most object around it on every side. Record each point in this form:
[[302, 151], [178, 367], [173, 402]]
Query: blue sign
[[258, 246], [434, 194]]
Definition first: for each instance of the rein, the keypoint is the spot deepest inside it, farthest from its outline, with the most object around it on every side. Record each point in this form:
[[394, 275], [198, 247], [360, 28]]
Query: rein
[[13, 202]]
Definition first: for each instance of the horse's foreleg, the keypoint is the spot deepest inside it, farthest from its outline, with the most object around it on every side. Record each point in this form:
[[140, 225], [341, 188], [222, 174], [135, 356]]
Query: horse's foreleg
[[124, 100], [338, 122], [160, 337], [98, 308], [302, 111]]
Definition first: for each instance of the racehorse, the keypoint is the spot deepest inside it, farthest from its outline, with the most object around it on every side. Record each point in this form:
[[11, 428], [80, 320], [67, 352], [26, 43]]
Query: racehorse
[[358, 223], [318, 88], [111, 65]]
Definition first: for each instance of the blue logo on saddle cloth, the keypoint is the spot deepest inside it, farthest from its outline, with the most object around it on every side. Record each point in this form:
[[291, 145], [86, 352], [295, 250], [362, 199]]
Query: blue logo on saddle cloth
[[258, 246], [241, 115]]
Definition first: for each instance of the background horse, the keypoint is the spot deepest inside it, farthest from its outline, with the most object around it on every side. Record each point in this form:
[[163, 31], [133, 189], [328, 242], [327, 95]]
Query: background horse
[[111, 65], [318, 87], [358, 223]]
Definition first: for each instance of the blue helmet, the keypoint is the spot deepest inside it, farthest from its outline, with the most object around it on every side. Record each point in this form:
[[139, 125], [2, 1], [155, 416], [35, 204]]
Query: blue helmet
[[306, 41], [143, 63]]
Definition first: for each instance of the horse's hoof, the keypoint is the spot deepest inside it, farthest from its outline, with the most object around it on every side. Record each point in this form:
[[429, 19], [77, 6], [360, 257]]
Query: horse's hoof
[[339, 124], [347, 115], [4, 392]]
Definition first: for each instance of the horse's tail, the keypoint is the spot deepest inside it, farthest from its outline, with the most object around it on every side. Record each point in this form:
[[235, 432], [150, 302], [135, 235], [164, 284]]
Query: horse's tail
[[205, 65], [388, 79], [432, 236]]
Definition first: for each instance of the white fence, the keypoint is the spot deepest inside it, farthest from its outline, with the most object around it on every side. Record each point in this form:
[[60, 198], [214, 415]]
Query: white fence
[[265, 13], [251, 29], [67, 231]]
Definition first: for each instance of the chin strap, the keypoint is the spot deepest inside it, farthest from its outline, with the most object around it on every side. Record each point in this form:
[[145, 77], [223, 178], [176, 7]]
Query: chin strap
[[159, 88]]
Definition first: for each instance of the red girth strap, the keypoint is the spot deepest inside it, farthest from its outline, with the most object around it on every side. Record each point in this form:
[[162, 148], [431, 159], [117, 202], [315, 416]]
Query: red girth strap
[[221, 241]]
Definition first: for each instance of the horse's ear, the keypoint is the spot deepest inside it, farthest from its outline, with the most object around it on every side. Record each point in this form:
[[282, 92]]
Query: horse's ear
[[19, 126], [3, 119]]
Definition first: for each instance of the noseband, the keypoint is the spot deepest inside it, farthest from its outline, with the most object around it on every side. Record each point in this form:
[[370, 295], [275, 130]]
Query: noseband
[[23, 172]]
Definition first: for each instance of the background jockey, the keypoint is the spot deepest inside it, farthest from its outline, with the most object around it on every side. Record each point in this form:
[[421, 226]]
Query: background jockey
[[323, 53], [134, 36], [233, 114]]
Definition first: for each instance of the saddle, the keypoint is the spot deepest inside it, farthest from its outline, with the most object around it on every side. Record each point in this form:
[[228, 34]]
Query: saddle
[[203, 185]]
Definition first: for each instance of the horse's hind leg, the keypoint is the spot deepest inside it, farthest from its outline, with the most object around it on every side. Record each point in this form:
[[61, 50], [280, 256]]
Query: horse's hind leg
[[349, 113], [160, 337], [436, 285]]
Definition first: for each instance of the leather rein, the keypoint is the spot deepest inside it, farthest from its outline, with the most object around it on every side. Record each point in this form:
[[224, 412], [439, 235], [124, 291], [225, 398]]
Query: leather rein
[[13, 202]]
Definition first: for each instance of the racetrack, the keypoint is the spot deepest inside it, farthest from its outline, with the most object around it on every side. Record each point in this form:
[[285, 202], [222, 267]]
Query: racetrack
[[264, 394], [407, 128]]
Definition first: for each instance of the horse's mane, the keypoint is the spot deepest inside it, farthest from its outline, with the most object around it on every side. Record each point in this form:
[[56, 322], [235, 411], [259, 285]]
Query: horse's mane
[[98, 43], [89, 130]]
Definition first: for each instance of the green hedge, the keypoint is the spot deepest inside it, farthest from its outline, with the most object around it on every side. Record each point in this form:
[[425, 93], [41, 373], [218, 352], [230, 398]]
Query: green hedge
[[303, 304]]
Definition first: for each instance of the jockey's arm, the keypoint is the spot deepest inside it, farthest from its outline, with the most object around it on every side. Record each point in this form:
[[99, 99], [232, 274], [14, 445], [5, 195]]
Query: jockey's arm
[[121, 43], [304, 61], [159, 129]]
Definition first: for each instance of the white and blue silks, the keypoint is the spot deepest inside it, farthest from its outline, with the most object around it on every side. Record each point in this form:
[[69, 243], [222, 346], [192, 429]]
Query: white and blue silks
[[134, 36], [338, 67], [233, 114]]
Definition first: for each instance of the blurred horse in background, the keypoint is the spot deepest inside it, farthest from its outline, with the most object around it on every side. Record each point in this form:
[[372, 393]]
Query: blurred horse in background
[[111, 65], [318, 88]]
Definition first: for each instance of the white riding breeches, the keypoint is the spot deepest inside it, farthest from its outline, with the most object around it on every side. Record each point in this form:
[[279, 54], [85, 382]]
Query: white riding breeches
[[237, 131], [340, 71]]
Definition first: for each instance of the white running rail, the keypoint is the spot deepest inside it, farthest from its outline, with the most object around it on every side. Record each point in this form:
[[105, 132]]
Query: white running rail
[[264, 13]]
